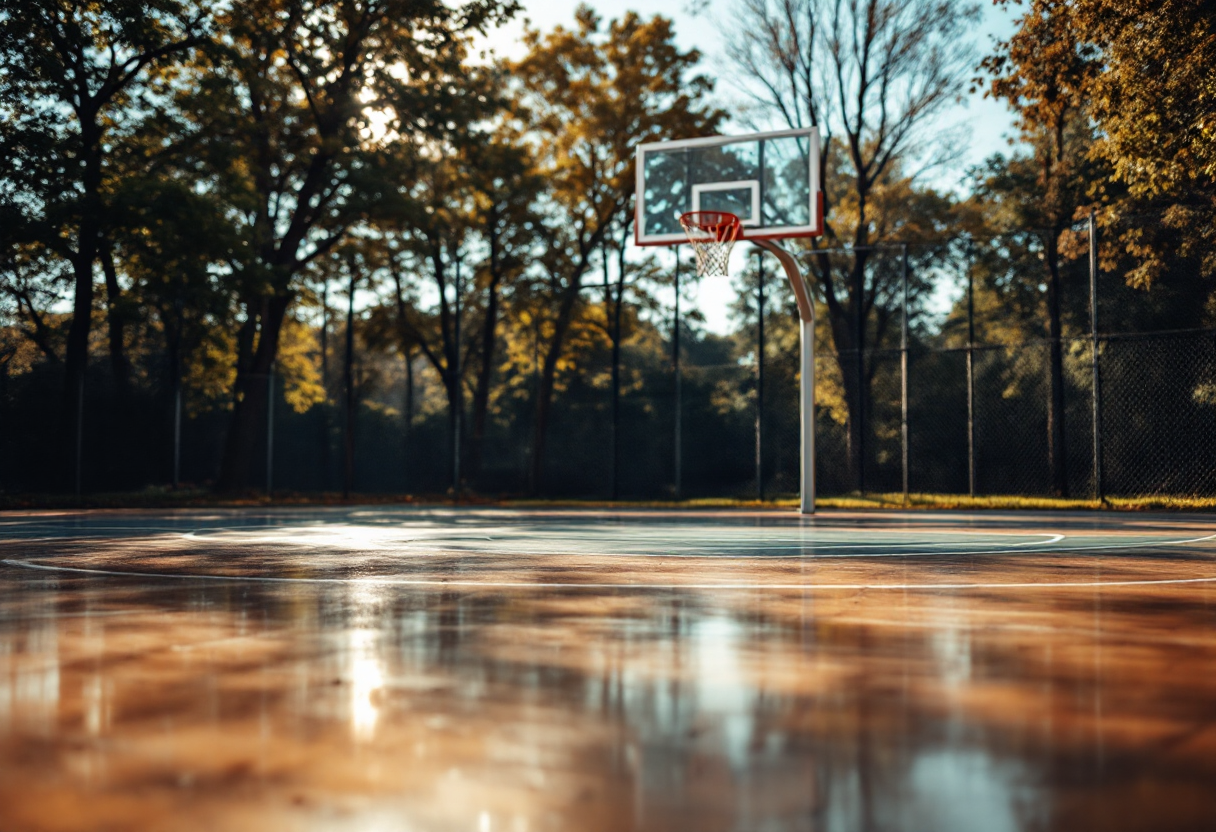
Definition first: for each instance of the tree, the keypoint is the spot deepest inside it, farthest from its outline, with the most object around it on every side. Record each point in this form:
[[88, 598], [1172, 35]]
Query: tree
[[505, 186], [166, 246], [1152, 96], [72, 82], [432, 238], [281, 110], [587, 97], [1044, 72], [873, 76], [462, 215]]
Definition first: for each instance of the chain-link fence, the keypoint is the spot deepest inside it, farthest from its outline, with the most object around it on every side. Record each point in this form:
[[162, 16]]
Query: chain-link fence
[[962, 383]]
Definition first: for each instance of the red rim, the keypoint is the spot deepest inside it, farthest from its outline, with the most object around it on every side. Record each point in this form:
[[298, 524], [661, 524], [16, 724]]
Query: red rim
[[724, 226]]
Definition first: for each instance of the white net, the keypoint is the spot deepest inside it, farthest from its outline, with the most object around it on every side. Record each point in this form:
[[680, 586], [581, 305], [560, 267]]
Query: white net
[[712, 257], [713, 235]]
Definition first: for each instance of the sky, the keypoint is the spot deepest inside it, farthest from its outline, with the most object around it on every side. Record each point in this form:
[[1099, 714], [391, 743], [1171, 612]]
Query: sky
[[700, 24]]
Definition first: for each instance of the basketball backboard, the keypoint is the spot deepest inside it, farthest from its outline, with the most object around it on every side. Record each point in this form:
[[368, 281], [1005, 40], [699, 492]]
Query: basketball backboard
[[769, 180]]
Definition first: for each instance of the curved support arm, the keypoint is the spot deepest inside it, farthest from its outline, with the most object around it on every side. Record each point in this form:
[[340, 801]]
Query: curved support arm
[[806, 309]]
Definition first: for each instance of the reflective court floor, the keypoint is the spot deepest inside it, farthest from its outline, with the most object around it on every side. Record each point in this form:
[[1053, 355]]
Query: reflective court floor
[[493, 670]]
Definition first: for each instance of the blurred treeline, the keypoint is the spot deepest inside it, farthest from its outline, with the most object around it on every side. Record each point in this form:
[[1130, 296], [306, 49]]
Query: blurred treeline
[[340, 233]]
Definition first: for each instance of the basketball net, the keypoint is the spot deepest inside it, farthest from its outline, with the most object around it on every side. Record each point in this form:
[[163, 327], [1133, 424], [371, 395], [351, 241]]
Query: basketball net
[[713, 235]]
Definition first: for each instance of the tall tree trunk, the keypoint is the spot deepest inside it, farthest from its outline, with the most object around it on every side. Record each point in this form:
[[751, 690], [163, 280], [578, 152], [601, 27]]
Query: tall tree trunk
[[540, 423], [485, 375], [120, 365], [857, 401], [76, 354], [75, 364], [548, 373], [489, 340], [1057, 447], [253, 367], [846, 320], [447, 360]]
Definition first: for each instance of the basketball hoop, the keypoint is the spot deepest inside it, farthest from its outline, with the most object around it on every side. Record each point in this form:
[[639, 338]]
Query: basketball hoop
[[713, 235], [769, 191]]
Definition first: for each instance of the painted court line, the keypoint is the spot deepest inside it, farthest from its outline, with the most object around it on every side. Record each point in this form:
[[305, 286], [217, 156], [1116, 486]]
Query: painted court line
[[539, 550], [560, 585], [557, 543]]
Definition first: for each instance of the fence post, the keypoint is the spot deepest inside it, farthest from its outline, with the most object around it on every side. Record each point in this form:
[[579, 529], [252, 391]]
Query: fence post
[[760, 376], [80, 432], [348, 377], [270, 432], [903, 372], [613, 333], [1096, 394], [675, 359], [616, 377], [859, 293], [407, 443], [458, 398], [970, 379], [177, 422]]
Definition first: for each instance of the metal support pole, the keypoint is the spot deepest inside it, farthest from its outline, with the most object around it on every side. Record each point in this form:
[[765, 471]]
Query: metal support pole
[[457, 402], [614, 389], [760, 376], [80, 432], [970, 382], [348, 374], [176, 370], [679, 403], [407, 444], [1099, 492], [806, 399], [616, 380], [903, 374], [323, 422], [270, 432], [806, 366], [177, 432], [859, 293]]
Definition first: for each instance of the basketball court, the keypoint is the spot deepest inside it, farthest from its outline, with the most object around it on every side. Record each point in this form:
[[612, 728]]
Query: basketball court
[[500, 669]]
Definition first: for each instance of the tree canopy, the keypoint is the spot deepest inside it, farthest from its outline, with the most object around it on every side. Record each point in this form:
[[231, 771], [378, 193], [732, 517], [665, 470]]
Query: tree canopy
[[346, 208]]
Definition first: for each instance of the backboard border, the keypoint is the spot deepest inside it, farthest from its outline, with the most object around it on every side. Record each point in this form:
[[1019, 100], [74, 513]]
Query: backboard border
[[777, 233], [752, 185]]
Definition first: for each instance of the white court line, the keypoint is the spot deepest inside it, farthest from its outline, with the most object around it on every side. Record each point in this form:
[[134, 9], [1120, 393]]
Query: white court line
[[552, 542], [1006, 551], [535, 553], [557, 585], [549, 545], [506, 543], [535, 545]]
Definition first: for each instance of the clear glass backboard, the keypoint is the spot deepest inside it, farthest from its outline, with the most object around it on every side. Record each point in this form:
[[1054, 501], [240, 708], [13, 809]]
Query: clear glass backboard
[[769, 180]]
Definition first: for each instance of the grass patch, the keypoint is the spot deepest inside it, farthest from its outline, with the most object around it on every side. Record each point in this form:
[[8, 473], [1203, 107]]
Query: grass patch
[[1018, 502], [162, 497]]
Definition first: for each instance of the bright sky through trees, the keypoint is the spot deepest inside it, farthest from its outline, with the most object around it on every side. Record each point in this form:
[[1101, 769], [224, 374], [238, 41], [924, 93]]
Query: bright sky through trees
[[699, 25]]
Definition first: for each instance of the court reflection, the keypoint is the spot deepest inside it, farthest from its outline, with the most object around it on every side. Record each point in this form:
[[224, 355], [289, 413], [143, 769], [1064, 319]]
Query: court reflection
[[156, 704]]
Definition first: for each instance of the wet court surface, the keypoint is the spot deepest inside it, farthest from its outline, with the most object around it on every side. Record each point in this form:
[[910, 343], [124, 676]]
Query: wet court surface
[[508, 671]]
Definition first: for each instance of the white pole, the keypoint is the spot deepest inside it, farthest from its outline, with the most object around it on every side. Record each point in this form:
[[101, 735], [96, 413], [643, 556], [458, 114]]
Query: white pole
[[806, 391], [806, 364]]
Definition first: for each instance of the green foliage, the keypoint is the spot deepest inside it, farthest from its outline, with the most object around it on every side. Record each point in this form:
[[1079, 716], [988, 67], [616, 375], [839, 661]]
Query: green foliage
[[193, 189]]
